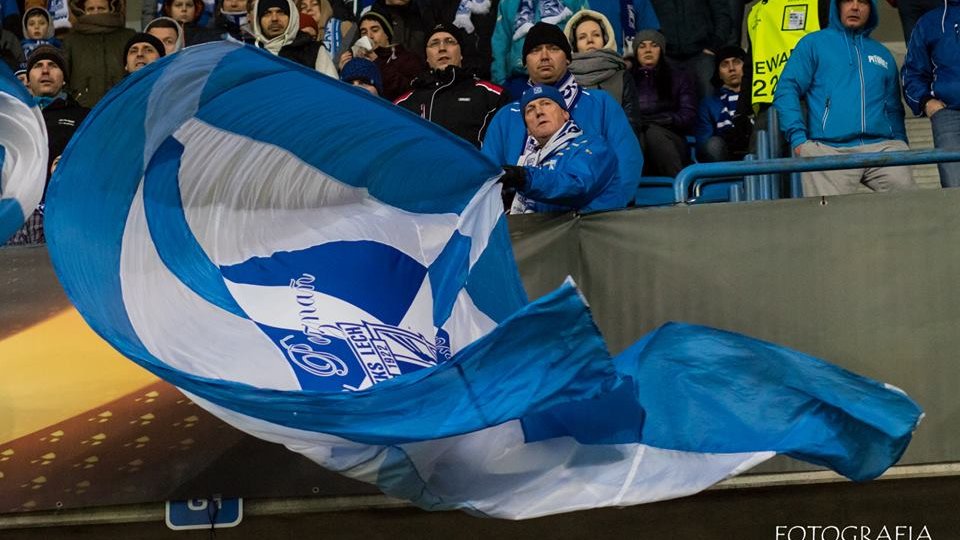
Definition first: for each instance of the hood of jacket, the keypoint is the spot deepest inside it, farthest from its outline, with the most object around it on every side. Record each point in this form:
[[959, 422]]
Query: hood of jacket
[[41, 11], [872, 21], [198, 9], [568, 30], [289, 34], [176, 25]]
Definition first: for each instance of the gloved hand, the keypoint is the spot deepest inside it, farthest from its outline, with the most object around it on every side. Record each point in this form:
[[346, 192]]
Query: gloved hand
[[514, 177]]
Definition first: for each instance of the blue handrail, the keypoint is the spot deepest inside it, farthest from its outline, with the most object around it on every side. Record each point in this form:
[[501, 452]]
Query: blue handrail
[[686, 177]]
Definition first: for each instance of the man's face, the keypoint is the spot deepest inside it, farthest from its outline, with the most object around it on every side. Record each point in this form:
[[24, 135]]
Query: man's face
[[543, 118], [37, 26], [854, 13], [139, 55], [442, 51], [274, 22], [546, 64], [94, 7], [589, 36], [234, 6], [374, 31], [167, 36], [648, 53], [731, 72], [45, 78]]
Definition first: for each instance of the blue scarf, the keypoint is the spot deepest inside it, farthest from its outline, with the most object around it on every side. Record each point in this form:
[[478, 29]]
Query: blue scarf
[[550, 11]]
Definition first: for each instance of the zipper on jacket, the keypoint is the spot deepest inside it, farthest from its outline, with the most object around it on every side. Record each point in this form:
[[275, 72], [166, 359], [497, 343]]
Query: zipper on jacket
[[863, 90], [823, 121], [453, 78]]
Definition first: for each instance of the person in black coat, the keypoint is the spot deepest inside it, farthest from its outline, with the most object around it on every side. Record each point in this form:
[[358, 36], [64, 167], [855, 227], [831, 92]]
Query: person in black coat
[[449, 95]]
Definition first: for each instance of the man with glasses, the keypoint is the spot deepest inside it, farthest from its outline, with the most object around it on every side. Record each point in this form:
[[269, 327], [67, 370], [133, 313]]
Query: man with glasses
[[449, 95]]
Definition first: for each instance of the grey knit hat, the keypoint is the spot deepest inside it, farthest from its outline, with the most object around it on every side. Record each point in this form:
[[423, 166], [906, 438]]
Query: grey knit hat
[[650, 35]]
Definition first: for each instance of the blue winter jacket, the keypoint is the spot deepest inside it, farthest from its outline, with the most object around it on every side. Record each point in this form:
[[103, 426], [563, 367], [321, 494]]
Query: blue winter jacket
[[579, 176], [851, 87], [597, 114], [932, 66]]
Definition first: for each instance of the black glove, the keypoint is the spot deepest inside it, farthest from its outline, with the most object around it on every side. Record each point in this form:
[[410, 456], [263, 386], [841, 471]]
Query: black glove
[[514, 177]]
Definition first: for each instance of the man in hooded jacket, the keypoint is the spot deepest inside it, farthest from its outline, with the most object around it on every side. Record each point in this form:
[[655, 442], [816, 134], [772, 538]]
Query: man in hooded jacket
[[849, 82], [276, 26]]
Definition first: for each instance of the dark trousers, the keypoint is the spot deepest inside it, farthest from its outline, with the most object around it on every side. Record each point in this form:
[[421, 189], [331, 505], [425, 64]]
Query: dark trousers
[[664, 152]]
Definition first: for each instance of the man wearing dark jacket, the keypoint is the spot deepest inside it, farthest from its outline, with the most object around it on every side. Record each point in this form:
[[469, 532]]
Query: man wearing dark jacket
[[397, 65], [92, 47], [695, 30], [449, 95], [931, 80], [46, 79]]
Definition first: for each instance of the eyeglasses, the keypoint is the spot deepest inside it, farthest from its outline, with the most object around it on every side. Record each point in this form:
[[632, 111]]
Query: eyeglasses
[[447, 42]]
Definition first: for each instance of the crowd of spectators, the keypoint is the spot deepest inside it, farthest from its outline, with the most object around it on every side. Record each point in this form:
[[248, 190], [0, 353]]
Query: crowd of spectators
[[631, 87]]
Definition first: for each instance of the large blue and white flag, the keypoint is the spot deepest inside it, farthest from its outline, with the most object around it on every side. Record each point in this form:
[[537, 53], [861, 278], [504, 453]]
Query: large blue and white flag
[[23, 154], [326, 271]]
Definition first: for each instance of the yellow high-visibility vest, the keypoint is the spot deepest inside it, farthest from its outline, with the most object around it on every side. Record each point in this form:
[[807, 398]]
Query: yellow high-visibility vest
[[775, 27]]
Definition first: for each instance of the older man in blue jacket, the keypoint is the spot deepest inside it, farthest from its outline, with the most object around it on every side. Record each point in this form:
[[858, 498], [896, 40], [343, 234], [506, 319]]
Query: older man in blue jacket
[[935, 48], [850, 84], [561, 167], [547, 53]]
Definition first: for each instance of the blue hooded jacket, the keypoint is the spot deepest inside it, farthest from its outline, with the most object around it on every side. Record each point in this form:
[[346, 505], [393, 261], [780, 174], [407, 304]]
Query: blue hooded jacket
[[850, 84], [579, 176], [597, 114], [932, 66]]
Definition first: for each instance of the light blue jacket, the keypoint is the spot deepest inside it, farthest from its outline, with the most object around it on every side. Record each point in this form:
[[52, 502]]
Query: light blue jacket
[[577, 176], [597, 114], [850, 84]]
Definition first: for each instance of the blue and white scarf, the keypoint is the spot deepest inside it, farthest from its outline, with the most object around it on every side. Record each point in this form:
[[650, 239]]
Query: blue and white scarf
[[550, 11], [333, 36], [535, 155], [468, 8]]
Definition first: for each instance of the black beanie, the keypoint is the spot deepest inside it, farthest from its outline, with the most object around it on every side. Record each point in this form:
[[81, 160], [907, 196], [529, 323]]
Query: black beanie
[[545, 34], [48, 52], [144, 38], [448, 28], [379, 19], [730, 51], [264, 5]]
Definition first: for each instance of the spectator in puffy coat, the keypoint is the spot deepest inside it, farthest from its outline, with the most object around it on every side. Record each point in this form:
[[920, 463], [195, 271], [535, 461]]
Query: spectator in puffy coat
[[666, 107], [93, 47], [449, 95], [596, 63], [722, 133], [276, 26], [852, 93], [168, 31], [10, 46], [931, 80], [397, 65], [561, 168], [548, 54], [514, 19]]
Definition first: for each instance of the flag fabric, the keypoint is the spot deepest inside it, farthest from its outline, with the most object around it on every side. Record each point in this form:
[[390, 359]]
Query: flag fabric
[[23, 154], [326, 271]]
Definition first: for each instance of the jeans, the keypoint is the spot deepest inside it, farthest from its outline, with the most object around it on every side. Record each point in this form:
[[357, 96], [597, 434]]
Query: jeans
[[946, 134]]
